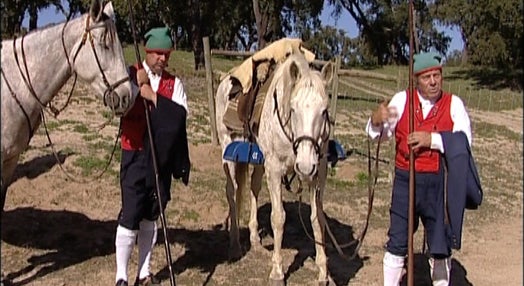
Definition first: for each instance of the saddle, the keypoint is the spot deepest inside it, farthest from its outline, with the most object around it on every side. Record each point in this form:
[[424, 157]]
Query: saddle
[[244, 109]]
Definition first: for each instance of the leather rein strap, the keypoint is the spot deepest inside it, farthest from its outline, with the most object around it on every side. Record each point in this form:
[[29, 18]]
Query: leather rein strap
[[372, 182]]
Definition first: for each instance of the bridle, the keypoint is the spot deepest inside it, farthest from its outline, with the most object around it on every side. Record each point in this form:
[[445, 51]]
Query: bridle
[[110, 88], [295, 142]]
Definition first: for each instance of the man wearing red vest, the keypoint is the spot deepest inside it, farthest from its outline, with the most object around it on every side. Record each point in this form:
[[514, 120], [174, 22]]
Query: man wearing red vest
[[435, 111], [139, 212]]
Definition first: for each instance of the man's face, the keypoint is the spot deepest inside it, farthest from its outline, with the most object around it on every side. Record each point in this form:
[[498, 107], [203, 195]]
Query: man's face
[[157, 61], [430, 84]]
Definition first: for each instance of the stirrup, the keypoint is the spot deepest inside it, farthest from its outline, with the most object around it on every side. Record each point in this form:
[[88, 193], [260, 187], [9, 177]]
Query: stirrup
[[244, 152]]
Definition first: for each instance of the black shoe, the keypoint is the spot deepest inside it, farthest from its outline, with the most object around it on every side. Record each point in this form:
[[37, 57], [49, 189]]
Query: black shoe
[[121, 282], [149, 280]]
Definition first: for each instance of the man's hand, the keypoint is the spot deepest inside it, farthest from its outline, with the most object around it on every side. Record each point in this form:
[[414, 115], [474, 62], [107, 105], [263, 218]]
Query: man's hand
[[419, 139], [141, 77], [382, 114], [147, 92]]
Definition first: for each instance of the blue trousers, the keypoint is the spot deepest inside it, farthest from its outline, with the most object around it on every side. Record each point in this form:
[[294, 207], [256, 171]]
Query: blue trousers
[[429, 208]]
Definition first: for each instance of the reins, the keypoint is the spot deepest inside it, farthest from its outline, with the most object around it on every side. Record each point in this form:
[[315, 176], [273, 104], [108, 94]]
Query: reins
[[49, 108], [372, 182], [61, 166]]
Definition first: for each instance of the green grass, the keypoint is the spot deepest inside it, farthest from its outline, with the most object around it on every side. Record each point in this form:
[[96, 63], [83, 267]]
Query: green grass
[[89, 165], [488, 130], [80, 128]]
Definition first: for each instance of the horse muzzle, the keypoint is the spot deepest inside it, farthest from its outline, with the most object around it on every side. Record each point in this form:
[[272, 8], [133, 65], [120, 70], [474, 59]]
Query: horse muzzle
[[306, 172], [118, 103]]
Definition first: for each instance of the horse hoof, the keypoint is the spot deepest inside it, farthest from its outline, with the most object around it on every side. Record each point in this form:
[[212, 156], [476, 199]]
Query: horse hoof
[[274, 282]]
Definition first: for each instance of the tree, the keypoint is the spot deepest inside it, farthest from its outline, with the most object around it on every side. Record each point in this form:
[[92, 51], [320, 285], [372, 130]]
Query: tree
[[276, 18], [13, 12], [492, 31], [382, 25]]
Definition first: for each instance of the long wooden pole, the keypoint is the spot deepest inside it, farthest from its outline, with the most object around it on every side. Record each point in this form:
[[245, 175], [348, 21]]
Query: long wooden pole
[[411, 153]]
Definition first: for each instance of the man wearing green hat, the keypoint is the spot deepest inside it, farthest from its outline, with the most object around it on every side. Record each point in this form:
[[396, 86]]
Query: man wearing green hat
[[435, 113], [140, 210]]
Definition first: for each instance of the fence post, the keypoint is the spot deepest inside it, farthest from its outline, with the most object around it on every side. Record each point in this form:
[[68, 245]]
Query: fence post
[[210, 93], [399, 80], [334, 95]]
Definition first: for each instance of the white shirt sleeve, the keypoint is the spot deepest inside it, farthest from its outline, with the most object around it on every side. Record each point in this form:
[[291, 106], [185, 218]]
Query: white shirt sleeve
[[461, 122], [179, 95], [396, 108]]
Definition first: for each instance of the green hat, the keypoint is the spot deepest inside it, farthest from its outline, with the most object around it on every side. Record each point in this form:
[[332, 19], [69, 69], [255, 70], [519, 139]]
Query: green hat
[[424, 62], [159, 39]]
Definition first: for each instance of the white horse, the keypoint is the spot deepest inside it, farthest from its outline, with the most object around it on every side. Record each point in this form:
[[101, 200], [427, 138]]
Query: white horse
[[293, 136], [36, 66]]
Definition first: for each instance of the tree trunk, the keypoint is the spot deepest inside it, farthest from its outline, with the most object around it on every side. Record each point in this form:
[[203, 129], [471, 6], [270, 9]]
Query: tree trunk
[[261, 23], [33, 17], [196, 35], [464, 56]]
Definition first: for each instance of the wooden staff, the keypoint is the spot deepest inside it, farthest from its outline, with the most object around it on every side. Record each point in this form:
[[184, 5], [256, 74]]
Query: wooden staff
[[411, 153]]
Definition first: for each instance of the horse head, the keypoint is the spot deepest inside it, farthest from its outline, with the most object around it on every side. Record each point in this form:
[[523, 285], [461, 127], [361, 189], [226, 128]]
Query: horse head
[[101, 62], [309, 116]]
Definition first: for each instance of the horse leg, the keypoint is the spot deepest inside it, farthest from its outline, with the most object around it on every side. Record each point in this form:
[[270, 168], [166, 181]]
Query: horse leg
[[236, 180], [278, 217], [319, 226], [318, 233], [234, 240], [256, 186], [8, 168]]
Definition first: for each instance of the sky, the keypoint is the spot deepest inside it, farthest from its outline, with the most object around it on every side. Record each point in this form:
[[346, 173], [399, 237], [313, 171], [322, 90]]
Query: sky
[[345, 22]]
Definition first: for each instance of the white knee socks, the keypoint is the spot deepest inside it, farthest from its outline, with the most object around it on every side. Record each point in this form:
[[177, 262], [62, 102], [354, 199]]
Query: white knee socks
[[124, 242], [393, 269], [146, 240], [440, 270]]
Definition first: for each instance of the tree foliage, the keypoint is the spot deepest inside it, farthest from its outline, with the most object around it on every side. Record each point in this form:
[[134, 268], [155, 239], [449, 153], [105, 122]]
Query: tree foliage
[[384, 28], [492, 31]]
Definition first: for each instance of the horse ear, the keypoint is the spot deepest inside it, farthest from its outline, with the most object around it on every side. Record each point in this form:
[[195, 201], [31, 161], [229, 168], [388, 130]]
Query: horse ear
[[96, 10], [327, 72], [109, 11]]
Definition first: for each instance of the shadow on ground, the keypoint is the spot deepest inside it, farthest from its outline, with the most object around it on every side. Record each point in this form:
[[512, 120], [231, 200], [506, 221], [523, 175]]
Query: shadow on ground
[[207, 249], [66, 236], [496, 79], [39, 165], [423, 278]]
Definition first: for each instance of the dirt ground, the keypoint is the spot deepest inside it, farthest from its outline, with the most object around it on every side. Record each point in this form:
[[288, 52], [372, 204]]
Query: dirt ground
[[60, 231]]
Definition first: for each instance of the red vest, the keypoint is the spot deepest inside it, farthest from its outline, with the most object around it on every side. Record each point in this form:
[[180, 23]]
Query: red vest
[[134, 123], [438, 119]]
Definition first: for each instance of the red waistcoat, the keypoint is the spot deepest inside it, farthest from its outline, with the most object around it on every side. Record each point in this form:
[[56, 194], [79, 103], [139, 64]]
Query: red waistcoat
[[438, 119], [134, 123]]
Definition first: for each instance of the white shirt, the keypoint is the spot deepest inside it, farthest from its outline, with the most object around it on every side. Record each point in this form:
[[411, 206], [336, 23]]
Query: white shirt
[[178, 96], [459, 116]]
